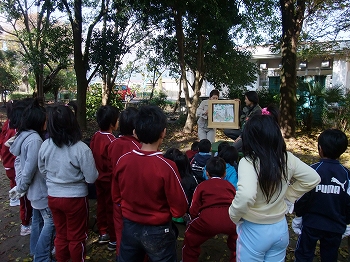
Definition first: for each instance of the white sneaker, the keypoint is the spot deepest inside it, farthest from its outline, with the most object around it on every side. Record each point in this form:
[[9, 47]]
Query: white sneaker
[[25, 230], [14, 203]]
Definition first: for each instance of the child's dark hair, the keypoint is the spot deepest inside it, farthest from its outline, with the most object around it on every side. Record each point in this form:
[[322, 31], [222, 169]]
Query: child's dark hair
[[216, 167], [229, 154], [263, 144], [9, 106], [169, 154], [106, 117], [194, 146], [222, 145], [252, 97], [214, 92], [181, 161], [63, 126], [33, 118], [204, 146], [150, 122], [333, 143], [17, 111], [74, 107], [126, 121]]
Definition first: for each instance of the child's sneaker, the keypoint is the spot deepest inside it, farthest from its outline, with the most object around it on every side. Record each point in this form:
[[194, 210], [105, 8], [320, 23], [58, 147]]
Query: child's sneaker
[[25, 230], [112, 246], [103, 239]]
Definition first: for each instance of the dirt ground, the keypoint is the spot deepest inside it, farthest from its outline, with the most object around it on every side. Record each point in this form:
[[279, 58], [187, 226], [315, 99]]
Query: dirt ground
[[14, 247]]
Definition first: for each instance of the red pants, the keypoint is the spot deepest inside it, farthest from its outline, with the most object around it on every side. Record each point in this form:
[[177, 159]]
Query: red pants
[[211, 221], [70, 216], [25, 211], [105, 209]]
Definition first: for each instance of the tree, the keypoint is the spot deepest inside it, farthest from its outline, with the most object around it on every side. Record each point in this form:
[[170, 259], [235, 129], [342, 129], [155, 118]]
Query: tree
[[9, 76], [288, 23], [43, 42], [155, 63], [82, 43], [65, 80], [199, 33], [296, 14], [121, 33], [292, 22]]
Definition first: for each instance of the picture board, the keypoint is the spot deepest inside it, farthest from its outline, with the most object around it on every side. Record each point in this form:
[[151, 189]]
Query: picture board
[[223, 114]]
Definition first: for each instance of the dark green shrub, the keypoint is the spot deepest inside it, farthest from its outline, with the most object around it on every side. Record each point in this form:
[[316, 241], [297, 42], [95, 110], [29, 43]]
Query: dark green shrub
[[337, 111], [19, 96], [268, 97], [94, 100]]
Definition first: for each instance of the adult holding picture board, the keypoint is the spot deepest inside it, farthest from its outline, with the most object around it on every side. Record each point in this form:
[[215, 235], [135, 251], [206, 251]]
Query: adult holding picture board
[[202, 113]]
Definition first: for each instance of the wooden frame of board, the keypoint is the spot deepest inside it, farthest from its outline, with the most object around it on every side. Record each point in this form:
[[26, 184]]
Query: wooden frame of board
[[223, 114]]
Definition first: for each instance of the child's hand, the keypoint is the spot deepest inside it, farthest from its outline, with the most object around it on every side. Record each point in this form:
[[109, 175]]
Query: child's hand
[[290, 206], [296, 225], [347, 231], [14, 194]]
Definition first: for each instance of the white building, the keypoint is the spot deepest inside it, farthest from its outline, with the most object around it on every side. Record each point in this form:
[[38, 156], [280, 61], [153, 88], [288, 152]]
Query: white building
[[331, 68]]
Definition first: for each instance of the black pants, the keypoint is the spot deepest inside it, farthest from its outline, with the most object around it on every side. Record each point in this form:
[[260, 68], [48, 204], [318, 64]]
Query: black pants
[[232, 133], [306, 245]]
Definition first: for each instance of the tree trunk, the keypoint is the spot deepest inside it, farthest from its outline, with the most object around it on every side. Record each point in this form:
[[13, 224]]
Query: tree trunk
[[292, 20], [178, 101], [82, 85], [105, 91], [191, 105], [80, 65]]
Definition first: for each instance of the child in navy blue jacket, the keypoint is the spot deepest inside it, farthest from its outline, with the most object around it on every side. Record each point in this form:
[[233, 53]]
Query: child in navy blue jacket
[[325, 210], [200, 159]]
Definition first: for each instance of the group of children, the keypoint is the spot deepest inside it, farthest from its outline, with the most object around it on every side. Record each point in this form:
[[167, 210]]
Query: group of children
[[52, 167], [140, 190]]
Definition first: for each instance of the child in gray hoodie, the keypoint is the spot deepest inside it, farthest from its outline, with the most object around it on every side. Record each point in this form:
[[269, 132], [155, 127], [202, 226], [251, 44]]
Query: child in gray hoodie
[[68, 165], [30, 181]]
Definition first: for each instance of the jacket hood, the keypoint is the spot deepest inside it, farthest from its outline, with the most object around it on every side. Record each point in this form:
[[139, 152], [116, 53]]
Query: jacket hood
[[202, 159], [15, 148]]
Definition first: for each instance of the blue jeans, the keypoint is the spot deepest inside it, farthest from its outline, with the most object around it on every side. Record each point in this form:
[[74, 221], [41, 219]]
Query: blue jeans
[[262, 242], [42, 235], [158, 242]]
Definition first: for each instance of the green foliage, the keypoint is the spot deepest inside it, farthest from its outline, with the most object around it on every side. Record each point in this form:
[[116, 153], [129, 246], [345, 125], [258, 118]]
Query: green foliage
[[199, 38], [158, 99], [19, 96], [268, 97], [310, 103], [94, 100], [337, 111], [9, 73], [45, 43], [64, 80], [237, 92], [318, 105]]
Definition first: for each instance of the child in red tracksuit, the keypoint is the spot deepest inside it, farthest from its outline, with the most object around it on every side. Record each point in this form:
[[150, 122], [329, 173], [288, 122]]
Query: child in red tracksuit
[[107, 119], [209, 212], [151, 193], [125, 142], [14, 112]]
